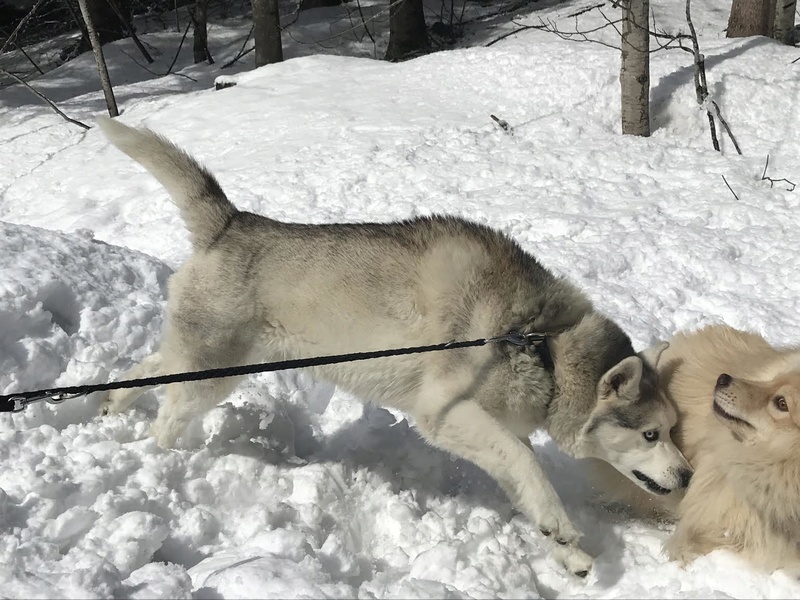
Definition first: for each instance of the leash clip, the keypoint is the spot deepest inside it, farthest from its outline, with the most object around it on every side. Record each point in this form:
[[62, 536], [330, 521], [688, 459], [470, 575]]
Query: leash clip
[[517, 338], [22, 402]]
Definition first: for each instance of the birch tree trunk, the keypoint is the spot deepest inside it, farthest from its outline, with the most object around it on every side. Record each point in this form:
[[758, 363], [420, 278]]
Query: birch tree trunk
[[634, 76], [267, 32], [94, 39]]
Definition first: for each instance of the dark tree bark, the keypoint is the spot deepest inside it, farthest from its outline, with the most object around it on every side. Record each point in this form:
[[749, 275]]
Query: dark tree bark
[[770, 18], [200, 22], [97, 48], [783, 29], [751, 17], [634, 75], [408, 36], [267, 32]]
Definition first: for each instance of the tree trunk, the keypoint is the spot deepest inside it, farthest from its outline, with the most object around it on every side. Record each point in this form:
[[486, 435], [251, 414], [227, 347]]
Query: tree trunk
[[783, 29], [751, 17], [200, 21], [408, 36], [267, 32], [106, 23], [97, 48], [634, 76]]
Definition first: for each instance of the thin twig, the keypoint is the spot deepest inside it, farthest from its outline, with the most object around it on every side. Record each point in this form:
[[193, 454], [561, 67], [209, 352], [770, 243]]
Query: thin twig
[[138, 64], [772, 181], [514, 32], [45, 98], [729, 187], [241, 50]]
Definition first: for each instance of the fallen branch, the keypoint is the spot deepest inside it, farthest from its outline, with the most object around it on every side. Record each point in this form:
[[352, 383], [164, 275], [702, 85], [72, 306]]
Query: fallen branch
[[45, 98], [729, 187], [772, 181]]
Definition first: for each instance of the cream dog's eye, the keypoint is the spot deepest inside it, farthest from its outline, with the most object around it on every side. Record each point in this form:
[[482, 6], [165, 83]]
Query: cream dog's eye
[[780, 404]]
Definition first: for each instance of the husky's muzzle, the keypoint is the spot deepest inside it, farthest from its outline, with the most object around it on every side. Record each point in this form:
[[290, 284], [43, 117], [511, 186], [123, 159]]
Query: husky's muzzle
[[652, 485]]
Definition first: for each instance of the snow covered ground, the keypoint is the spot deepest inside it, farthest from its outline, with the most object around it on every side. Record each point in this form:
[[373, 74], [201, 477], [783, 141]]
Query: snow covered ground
[[293, 488]]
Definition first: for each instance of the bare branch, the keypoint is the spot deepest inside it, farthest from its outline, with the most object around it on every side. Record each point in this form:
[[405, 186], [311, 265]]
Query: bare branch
[[726, 126], [364, 21], [185, 33], [700, 86], [241, 52], [138, 64], [45, 98], [25, 54], [514, 32], [729, 187], [20, 25], [131, 32]]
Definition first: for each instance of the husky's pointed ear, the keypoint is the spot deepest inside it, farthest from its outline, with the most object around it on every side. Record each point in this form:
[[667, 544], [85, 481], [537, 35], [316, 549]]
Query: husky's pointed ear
[[622, 380], [651, 355]]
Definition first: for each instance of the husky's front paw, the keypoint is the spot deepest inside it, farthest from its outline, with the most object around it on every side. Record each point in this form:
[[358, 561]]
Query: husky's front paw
[[118, 401], [561, 531], [574, 560], [566, 548]]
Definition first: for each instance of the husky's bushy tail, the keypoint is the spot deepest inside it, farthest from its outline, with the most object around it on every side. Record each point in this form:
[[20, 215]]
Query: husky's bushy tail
[[204, 206]]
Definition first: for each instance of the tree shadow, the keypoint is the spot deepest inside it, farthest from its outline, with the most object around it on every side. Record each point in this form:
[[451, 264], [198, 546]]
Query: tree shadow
[[662, 94]]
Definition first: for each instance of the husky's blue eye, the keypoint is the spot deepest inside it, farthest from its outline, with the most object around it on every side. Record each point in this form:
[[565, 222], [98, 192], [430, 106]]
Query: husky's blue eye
[[651, 436]]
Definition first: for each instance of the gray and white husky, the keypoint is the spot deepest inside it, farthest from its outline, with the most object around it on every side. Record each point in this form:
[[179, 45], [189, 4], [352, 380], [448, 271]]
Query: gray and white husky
[[256, 289]]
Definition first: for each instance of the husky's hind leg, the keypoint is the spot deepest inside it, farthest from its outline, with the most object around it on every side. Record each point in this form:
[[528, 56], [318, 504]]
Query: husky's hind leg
[[118, 401], [449, 419]]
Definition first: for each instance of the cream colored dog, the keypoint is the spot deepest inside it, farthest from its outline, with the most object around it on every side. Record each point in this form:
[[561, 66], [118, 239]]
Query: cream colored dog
[[738, 401]]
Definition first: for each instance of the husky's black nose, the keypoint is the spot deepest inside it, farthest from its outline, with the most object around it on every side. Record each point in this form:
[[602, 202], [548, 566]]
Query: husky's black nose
[[724, 380], [685, 477]]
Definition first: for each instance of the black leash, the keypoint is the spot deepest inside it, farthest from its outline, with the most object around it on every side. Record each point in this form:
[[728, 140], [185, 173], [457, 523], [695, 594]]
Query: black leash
[[19, 401]]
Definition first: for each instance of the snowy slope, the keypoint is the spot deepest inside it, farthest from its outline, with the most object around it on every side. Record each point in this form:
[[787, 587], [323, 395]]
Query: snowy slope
[[292, 488]]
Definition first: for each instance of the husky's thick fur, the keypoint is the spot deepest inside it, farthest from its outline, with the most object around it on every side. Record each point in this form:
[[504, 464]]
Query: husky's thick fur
[[738, 401], [256, 289]]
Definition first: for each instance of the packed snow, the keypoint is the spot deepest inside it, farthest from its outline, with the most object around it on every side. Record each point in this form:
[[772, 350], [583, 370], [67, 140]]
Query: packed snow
[[293, 488]]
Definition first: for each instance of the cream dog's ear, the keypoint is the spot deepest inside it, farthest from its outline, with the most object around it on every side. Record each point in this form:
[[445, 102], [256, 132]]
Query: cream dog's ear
[[651, 355]]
